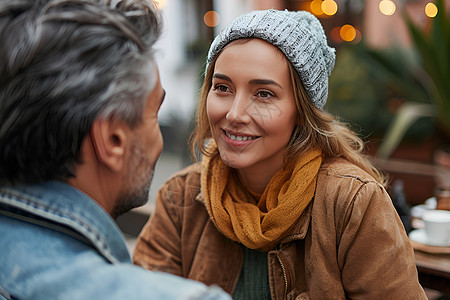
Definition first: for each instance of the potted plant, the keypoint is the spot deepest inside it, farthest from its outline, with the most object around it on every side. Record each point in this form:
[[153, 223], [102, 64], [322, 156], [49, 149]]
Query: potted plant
[[421, 76]]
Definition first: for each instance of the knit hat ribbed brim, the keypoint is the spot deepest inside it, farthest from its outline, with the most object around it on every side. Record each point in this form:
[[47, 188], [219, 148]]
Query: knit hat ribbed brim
[[298, 34]]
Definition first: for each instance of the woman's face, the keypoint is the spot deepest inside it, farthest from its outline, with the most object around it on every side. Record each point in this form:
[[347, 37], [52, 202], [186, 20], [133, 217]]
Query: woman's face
[[251, 106]]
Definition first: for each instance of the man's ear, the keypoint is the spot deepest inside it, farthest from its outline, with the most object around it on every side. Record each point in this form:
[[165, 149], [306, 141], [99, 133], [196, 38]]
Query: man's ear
[[110, 140]]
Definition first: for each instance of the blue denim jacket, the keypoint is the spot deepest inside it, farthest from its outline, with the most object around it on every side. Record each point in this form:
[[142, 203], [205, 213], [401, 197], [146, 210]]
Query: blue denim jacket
[[57, 243]]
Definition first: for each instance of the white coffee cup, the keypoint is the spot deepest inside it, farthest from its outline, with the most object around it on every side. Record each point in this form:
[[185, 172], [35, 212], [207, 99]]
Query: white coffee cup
[[437, 227]]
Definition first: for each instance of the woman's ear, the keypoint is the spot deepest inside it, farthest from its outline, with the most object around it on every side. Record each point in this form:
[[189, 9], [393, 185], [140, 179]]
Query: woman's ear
[[110, 141]]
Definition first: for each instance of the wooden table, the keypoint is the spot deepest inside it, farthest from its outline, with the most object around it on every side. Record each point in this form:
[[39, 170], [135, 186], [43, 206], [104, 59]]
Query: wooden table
[[433, 266]]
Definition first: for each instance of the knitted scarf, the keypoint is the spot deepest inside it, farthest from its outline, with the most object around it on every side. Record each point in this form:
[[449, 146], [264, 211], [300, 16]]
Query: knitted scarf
[[259, 224]]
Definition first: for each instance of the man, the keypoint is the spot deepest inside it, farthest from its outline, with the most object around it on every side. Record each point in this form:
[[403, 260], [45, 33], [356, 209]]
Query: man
[[79, 139]]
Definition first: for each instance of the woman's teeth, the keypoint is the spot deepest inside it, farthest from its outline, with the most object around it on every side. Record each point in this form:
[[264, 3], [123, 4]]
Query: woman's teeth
[[240, 138]]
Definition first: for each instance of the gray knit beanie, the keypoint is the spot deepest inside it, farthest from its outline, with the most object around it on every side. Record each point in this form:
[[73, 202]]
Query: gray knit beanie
[[298, 34]]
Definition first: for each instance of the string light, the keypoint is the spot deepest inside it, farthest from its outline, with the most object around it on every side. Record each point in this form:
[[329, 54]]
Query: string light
[[431, 10], [329, 7], [211, 18], [348, 32], [336, 35], [316, 7], [387, 7], [160, 3]]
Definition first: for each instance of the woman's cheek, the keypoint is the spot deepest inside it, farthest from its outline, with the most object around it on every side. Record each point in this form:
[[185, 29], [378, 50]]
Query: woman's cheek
[[215, 109]]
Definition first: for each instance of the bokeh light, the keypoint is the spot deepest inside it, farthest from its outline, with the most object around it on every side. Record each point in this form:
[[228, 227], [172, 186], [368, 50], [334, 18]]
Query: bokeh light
[[431, 10], [316, 7], [348, 33], [211, 18], [160, 3], [387, 7], [329, 7], [358, 36], [335, 35]]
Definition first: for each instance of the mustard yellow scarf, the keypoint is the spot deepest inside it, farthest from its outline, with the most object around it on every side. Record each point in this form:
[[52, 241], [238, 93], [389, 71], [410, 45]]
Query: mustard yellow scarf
[[263, 224]]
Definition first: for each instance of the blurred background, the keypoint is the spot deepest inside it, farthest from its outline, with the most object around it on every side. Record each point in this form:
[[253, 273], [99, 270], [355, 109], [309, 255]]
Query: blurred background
[[390, 83]]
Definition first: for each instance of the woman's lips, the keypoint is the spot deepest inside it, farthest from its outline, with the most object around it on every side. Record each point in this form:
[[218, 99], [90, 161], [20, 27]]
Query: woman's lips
[[238, 139]]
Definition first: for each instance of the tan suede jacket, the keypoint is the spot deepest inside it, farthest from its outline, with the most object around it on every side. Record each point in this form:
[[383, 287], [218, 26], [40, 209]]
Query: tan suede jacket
[[348, 244]]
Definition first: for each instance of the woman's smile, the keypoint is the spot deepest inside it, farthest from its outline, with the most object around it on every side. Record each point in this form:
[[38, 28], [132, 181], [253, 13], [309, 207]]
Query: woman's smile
[[251, 106], [236, 139]]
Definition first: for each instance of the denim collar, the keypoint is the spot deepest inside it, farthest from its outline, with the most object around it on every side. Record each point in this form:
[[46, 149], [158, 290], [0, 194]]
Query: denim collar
[[63, 204]]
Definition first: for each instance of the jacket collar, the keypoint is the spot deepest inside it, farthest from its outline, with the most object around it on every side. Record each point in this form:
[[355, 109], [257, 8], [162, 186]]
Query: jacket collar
[[61, 204]]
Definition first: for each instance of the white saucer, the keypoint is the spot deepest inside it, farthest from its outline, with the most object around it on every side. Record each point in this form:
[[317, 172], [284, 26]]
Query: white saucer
[[419, 236]]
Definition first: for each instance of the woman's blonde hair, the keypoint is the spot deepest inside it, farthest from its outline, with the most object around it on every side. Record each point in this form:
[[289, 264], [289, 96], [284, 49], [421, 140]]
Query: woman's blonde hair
[[315, 129]]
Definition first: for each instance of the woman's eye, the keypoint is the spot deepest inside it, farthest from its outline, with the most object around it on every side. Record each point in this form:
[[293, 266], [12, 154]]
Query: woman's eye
[[221, 88], [265, 94]]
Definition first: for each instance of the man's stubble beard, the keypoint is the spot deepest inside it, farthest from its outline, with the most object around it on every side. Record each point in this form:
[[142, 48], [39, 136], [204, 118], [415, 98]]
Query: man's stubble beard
[[139, 178]]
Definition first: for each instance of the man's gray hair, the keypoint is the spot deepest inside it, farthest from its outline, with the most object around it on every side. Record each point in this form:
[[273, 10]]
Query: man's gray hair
[[64, 63]]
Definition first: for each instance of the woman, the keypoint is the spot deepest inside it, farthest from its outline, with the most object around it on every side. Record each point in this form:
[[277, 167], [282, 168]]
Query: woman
[[283, 204]]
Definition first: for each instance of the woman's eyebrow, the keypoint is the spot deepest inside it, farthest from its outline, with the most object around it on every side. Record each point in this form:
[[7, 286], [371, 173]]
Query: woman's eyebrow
[[253, 81], [265, 81], [222, 76]]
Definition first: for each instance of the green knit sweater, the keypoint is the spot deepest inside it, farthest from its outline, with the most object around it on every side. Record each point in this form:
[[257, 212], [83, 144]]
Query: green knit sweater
[[253, 281]]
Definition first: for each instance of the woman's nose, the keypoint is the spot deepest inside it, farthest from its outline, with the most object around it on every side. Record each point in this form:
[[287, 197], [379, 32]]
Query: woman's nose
[[239, 110]]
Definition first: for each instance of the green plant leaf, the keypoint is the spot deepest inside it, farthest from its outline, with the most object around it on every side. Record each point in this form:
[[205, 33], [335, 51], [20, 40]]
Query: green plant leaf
[[408, 113], [396, 69]]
